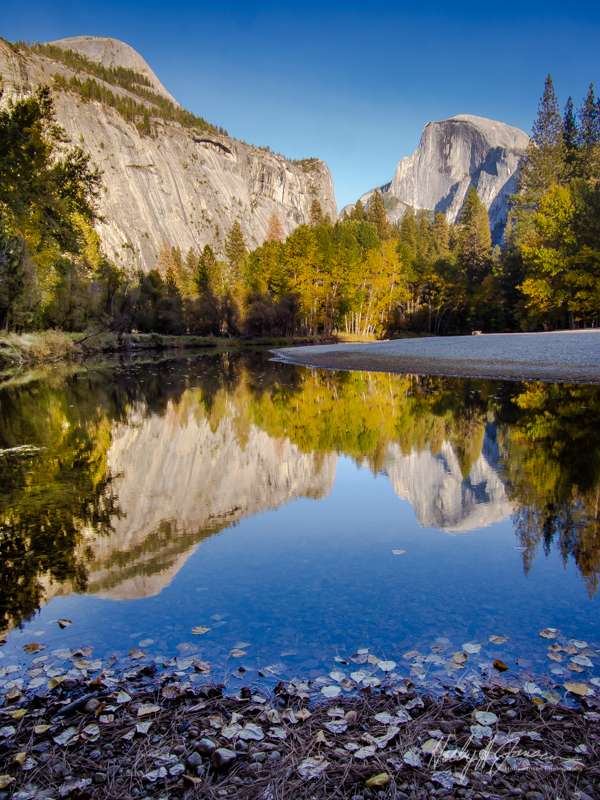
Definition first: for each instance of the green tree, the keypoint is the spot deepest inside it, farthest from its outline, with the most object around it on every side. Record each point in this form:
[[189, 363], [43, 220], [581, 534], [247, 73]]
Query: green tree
[[544, 161], [235, 251], [376, 214], [474, 237], [570, 138]]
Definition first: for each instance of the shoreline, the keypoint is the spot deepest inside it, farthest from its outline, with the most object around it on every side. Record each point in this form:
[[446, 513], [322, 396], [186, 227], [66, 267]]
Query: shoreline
[[149, 735], [47, 347], [143, 727], [561, 356]]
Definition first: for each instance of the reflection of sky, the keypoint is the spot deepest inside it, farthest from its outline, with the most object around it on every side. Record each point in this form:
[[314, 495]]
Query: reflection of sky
[[319, 577]]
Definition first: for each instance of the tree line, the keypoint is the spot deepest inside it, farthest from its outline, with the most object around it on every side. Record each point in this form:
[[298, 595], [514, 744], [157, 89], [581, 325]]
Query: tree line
[[359, 275]]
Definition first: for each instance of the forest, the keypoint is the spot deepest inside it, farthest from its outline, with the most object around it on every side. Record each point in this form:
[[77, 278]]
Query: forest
[[357, 276]]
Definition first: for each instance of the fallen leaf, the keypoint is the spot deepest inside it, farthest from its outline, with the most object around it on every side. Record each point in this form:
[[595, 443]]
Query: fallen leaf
[[549, 633], [471, 648], [312, 767], [485, 717], [39, 729], [364, 752], [500, 665], [498, 639], [6, 780], [252, 732], [412, 757], [331, 691], [582, 661], [386, 666], [63, 623], [200, 630], [143, 727], [378, 781], [580, 689], [147, 708], [33, 647], [66, 736], [398, 552]]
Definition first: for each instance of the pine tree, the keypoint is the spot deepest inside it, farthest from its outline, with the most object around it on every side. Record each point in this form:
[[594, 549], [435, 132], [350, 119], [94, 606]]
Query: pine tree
[[589, 120], [570, 138], [358, 212], [376, 214], [275, 232], [207, 263], [544, 162], [235, 251], [589, 135], [474, 238], [441, 235]]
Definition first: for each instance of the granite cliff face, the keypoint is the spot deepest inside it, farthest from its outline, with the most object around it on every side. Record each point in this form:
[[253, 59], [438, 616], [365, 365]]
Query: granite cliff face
[[176, 185], [453, 155]]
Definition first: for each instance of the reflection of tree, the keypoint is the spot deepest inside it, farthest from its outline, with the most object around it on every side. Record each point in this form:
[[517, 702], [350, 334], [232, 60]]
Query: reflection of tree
[[50, 498], [552, 466]]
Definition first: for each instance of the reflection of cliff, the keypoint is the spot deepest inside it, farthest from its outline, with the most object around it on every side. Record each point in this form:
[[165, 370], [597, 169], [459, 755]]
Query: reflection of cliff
[[439, 493], [178, 480]]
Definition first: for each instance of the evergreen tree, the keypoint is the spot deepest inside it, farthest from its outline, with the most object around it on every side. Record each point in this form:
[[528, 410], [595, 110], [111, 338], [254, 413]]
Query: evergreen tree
[[235, 248], [376, 214], [358, 212], [544, 161], [474, 237], [589, 135], [205, 274], [570, 138], [589, 120]]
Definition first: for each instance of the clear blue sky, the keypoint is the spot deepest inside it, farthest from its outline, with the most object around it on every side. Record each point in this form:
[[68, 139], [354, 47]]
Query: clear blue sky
[[350, 82]]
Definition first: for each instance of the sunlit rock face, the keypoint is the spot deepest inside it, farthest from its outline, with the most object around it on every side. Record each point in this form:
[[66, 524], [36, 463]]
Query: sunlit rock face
[[441, 497], [453, 155], [178, 186], [177, 481]]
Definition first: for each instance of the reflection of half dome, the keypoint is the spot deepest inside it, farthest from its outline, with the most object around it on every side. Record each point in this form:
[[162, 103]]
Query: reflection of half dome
[[441, 497]]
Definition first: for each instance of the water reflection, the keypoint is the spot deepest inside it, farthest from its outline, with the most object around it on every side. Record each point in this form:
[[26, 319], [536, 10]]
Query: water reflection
[[137, 464]]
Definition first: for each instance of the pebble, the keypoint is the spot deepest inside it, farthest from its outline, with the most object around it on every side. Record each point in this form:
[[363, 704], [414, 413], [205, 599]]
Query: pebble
[[194, 759], [99, 777], [274, 755], [223, 757], [259, 757], [206, 746]]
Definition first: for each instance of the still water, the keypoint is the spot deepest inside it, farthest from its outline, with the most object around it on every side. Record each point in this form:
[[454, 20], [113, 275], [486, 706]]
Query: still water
[[297, 515]]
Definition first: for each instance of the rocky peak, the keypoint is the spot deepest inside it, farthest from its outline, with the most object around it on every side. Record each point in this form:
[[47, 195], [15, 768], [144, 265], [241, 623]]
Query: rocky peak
[[113, 53], [453, 155]]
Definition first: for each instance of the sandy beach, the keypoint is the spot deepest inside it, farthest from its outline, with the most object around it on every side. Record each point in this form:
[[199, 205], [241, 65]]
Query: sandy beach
[[564, 356]]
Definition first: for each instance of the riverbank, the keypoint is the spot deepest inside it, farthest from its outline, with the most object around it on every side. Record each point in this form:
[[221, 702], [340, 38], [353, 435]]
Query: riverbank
[[29, 349], [149, 736], [563, 356]]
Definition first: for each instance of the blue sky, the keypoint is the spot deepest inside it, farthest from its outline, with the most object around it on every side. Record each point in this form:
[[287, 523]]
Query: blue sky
[[350, 82]]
